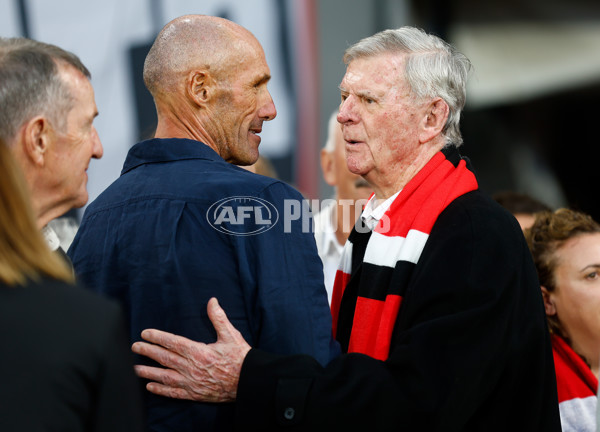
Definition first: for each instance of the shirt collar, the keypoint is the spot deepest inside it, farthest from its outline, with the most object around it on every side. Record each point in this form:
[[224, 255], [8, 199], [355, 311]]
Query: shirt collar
[[328, 242], [165, 150], [373, 213], [51, 238]]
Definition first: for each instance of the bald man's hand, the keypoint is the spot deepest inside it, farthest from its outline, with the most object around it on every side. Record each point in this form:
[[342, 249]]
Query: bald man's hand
[[194, 370]]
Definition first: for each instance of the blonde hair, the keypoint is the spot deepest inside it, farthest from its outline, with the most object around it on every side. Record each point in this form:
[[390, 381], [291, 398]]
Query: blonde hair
[[24, 253]]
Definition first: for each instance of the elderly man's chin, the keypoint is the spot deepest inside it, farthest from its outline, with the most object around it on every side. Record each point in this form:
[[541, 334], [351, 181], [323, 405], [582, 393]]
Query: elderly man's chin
[[76, 203], [81, 199], [356, 167]]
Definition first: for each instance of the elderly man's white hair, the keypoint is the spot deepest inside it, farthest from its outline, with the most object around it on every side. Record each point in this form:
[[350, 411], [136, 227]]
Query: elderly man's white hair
[[433, 68]]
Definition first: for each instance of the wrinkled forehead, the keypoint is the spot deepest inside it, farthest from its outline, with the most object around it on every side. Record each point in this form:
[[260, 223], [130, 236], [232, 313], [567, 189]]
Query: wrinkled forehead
[[81, 92], [242, 48], [377, 73], [76, 82], [241, 40], [250, 67]]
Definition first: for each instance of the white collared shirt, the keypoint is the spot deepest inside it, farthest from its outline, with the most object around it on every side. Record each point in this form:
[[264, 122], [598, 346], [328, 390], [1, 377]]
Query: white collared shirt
[[373, 213], [328, 247], [51, 238]]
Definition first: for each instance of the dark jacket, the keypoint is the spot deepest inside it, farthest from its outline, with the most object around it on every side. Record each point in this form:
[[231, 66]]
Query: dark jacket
[[65, 361], [470, 347], [180, 226]]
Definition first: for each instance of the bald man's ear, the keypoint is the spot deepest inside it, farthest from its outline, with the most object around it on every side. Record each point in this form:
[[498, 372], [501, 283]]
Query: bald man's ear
[[328, 167], [37, 136], [434, 120], [200, 87]]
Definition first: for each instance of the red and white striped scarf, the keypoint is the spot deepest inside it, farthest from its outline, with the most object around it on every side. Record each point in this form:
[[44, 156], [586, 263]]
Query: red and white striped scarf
[[577, 388], [392, 251]]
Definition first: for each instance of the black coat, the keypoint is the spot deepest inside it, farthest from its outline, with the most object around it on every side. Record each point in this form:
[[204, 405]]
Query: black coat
[[65, 362], [470, 349]]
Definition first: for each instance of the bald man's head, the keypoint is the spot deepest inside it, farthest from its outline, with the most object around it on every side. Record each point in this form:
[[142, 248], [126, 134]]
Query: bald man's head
[[208, 77], [194, 41]]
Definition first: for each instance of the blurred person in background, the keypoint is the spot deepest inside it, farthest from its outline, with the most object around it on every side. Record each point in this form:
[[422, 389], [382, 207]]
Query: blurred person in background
[[522, 206], [47, 110], [66, 359], [262, 166], [565, 245], [336, 217]]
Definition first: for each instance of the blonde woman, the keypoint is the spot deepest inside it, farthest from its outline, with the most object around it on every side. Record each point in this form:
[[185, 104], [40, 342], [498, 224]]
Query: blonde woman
[[65, 359]]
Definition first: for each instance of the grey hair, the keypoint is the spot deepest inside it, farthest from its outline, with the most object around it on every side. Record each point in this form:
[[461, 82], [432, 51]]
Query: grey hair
[[329, 146], [30, 84], [433, 68]]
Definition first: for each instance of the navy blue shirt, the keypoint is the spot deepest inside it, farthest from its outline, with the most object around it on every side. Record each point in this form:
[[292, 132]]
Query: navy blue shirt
[[180, 226]]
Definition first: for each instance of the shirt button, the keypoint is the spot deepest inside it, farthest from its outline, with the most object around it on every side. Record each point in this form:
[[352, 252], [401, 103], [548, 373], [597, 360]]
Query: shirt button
[[289, 413]]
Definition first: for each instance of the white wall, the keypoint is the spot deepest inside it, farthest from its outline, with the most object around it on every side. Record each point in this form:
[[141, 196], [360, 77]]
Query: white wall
[[101, 34]]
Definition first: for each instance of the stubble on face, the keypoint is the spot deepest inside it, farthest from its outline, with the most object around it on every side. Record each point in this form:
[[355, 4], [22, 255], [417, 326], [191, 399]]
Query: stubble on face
[[239, 104]]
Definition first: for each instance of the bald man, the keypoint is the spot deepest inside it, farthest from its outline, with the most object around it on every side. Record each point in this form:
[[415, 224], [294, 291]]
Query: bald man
[[183, 223]]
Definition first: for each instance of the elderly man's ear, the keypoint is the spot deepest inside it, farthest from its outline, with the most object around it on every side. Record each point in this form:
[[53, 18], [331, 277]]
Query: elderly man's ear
[[200, 87], [434, 120], [328, 167], [37, 136]]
